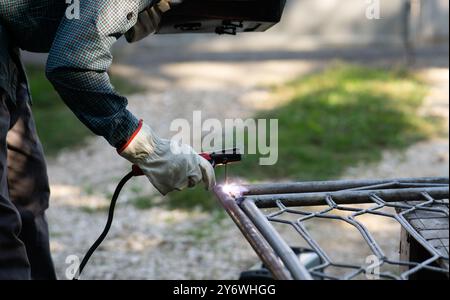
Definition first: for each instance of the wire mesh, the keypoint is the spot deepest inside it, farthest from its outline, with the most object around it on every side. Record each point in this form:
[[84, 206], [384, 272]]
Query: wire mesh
[[346, 205]]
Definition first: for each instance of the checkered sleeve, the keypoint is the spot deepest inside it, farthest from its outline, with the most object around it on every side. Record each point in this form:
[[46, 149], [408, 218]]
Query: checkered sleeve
[[78, 63]]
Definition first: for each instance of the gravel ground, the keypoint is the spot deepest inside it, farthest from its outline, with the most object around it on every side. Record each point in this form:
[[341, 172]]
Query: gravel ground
[[175, 244]]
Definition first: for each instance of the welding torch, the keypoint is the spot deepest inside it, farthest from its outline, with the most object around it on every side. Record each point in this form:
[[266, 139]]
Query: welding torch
[[223, 158]]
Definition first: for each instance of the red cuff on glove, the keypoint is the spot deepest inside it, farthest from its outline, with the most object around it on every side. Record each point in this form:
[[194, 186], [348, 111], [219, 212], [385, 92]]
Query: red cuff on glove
[[125, 145]]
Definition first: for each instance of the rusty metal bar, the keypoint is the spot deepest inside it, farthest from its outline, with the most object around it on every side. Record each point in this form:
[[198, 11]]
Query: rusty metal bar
[[348, 197], [251, 233], [330, 186]]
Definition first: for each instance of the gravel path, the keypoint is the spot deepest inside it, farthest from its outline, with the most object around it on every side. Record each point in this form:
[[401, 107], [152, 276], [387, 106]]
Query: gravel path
[[174, 244]]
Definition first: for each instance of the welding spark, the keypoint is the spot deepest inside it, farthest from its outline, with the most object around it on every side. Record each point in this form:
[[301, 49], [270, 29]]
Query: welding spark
[[234, 190]]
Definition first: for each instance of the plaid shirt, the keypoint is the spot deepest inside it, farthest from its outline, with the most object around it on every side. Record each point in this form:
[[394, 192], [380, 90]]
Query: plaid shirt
[[79, 55]]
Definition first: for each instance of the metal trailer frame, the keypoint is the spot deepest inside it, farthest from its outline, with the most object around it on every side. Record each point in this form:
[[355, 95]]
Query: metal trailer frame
[[404, 195]]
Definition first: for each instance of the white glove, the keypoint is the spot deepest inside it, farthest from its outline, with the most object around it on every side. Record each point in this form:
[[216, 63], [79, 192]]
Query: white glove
[[169, 166], [148, 21]]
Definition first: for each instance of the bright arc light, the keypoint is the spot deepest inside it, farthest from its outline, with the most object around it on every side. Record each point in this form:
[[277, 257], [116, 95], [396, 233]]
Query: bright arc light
[[233, 189]]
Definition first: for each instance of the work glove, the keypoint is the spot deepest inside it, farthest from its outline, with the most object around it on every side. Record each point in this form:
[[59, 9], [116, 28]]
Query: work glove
[[168, 165], [148, 21]]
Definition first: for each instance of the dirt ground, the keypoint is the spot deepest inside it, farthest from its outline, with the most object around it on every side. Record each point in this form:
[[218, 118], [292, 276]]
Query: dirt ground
[[184, 75]]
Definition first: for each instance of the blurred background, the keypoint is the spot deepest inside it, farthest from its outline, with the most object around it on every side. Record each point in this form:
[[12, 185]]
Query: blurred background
[[355, 96]]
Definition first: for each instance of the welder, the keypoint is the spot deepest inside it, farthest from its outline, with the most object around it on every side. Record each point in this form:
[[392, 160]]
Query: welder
[[79, 57]]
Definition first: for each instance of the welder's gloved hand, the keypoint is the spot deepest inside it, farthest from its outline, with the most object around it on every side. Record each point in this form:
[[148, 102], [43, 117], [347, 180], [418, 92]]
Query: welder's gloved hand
[[169, 166], [148, 21]]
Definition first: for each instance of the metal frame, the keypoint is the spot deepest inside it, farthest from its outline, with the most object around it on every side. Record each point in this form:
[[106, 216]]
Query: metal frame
[[404, 195]]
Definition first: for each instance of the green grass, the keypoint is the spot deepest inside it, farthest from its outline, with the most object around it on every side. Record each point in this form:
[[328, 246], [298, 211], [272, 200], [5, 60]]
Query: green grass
[[192, 198], [189, 199], [143, 202], [57, 126], [332, 120], [94, 210], [341, 117]]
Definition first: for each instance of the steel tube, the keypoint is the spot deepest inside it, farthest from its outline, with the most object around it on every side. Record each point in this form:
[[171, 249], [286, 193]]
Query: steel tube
[[289, 258], [251, 233], [349, 197], [330, 186]]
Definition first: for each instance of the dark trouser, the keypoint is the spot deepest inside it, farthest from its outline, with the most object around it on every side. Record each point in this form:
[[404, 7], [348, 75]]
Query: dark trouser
[[24, 195], [24, 188]]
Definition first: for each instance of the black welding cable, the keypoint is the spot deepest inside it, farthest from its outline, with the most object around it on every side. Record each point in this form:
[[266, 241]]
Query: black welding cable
[[102, 236]]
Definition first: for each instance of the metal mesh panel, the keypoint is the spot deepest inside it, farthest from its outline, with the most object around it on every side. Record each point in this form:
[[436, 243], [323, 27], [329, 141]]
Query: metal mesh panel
[[295, 206]]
